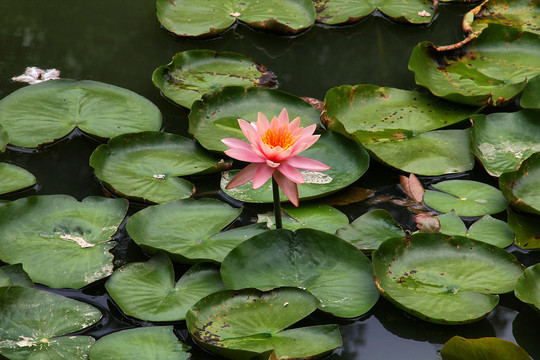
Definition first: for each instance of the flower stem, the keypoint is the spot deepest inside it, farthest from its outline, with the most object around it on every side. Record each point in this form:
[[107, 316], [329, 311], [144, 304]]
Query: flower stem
[[277, 204]]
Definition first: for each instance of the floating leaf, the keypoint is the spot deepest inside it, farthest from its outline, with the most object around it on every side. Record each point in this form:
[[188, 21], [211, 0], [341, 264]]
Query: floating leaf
[[458, 348], [371, 113], [44, 112], [427, 223], [520, 187], [216, 115], [368, 231], [241, 324], [147, 343], [431, 153], [465, 197], [314, 216], [334, 271], [502, 140], [195, 72], [346, 11], [525, 228], [523, 15], [347, 159], [14, 178], [15, 275], [412, 187], [59, 241], [492, 70], [148, 165], [193, 18], [32, 323], [188, 230], [531, 95], [527, 286], [444, 279], [147, 290]]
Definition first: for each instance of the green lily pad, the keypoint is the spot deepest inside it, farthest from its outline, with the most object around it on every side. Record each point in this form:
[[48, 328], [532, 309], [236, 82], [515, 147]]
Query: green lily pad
[[241, 324], [444, 279], [368, 231], [59, 241], [502, 140], [44, 112], [147, 290], [315, 216], [431, 153], [4, 139], [210, 17], [527, 286], [465, 197], [15, 275], [486, 229], [189, 230], [148, 165], [334, 271], [147, 343], [371, 113], [520, 187], [32, 323], [216, 115], [492, 70], [334, 12], [530, 99], [523, 15], [347, 159], [14, 178], [487, 348], [195, 72], [525, 228]]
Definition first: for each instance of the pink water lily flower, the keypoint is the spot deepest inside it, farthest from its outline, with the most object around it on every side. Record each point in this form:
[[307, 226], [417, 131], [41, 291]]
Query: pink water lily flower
[[272, 151]]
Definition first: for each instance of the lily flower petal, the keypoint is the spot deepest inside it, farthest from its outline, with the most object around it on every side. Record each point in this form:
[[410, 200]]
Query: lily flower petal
[[243, 176], [262, 174], [244, 155], [306, 163], [291, 173], [289, 188], [236, 143]]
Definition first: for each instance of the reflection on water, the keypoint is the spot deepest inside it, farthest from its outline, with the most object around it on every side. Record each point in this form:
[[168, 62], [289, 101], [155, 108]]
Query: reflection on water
[[120, 42]]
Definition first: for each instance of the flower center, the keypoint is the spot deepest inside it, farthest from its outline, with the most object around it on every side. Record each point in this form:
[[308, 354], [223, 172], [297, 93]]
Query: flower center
[[278, 137]]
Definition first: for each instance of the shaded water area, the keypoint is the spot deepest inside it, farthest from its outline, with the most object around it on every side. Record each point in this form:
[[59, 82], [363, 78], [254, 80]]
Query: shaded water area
[[120, 42]]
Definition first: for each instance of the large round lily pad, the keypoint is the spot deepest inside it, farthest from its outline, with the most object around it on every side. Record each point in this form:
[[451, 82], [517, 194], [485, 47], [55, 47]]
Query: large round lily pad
[[502, 140], [530, 99], [4, 139], [61, 242], [347, 159], [368, 231], [216, 115], [490, 70], [15, 275], [520, 14], [195, 72], [487, 348], [431, 153], [32, 323], [44, 112], [210, 17], [147, 290], [526, 229], [241, 324], [189, 230], [373, 113], [148, 165], [527, 286], [147, 343], [521, 187], [14, 178], [444, 279], [465, 197], [334, 271], [346, 11]]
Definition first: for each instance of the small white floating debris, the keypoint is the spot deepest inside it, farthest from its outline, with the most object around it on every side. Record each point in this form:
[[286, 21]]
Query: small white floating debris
[[235, 14], [424, 13], [286, 304], [34, 75], [159, 176]]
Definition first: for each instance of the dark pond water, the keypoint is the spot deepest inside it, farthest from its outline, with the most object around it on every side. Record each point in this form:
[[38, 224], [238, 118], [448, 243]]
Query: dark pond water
[[120, 42]]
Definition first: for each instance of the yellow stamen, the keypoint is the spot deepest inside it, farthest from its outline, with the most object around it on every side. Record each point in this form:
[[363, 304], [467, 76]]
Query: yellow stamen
[[278, 137]]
